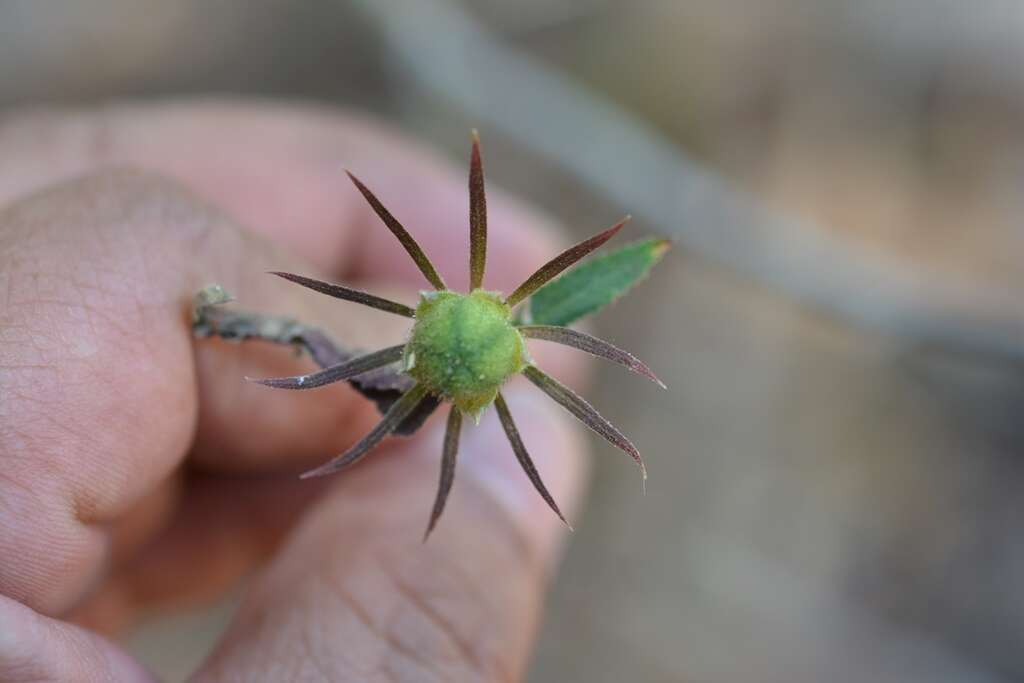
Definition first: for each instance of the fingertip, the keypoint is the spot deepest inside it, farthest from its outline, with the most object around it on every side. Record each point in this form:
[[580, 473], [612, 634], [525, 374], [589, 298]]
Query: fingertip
[[465, 602], [34, 647]]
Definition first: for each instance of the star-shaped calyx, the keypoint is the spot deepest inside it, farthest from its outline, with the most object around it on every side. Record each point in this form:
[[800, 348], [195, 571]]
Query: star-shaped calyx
[[464, 346]]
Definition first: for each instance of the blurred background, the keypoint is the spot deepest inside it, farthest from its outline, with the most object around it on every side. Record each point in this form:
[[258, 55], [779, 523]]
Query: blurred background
[[837, 487]]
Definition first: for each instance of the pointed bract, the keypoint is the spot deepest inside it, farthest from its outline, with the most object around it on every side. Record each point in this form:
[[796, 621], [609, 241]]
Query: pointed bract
[[463, 347], [589, 344], [584, 412], [477, 218], [523, 456], [556, 265], [448, 454], [396, 228], [349, 294], [336, 373], [402, 408]]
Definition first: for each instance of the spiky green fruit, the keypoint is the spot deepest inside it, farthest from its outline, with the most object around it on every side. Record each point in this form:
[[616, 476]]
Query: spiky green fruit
[[464, 346]]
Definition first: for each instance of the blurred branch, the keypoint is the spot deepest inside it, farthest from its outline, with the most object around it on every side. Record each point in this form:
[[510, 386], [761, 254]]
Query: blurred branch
[[448, 55]]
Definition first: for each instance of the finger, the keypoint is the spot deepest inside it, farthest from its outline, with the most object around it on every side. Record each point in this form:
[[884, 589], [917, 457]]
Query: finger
[[280, 170], [233, 524], [102, 394], [151, 514], [291, 435], [356, 595], [224, 527], [36, 648], [65, 495]]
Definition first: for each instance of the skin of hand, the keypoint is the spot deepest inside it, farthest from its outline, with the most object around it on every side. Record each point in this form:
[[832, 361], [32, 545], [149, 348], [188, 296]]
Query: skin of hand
[[138, 471]]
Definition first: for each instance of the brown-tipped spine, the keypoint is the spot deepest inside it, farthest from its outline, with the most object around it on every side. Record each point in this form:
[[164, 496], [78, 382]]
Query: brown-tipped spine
[[448, 455], [584, 412], [399, 231], [349, 294], [477, 218], [398, 412], [556, 265], [590, 344], [523, 456], [336, 373]]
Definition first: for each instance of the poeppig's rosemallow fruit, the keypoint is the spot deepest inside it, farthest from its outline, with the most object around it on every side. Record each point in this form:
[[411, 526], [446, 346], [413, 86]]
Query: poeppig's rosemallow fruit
[[464, 346]]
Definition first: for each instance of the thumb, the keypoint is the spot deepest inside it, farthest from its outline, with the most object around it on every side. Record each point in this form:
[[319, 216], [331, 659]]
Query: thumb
[[34, 647], [357, 595]]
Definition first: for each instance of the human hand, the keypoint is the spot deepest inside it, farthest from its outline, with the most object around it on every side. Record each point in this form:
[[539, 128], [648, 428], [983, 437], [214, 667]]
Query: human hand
[[138, 470]]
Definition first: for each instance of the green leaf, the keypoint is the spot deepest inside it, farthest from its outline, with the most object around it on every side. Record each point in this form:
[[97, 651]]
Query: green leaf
[[594, 284]]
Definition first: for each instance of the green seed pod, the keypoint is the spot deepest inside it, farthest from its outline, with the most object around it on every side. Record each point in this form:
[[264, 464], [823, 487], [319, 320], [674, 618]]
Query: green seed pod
[[463, 347]]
